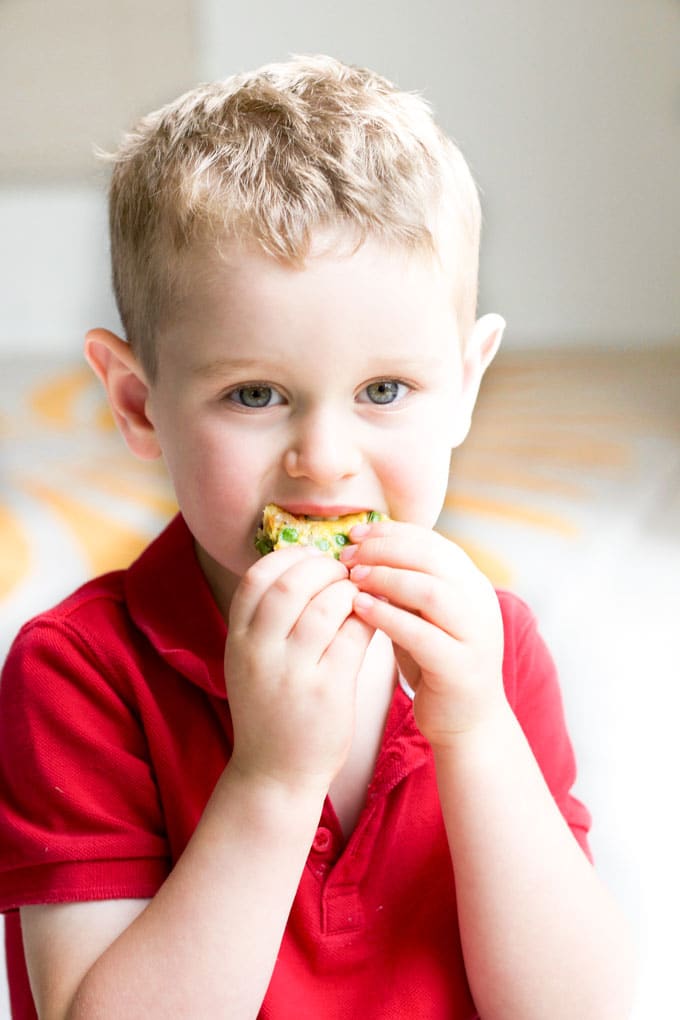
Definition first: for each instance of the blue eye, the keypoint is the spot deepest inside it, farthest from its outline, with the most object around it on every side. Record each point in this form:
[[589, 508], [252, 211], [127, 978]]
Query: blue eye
[[385, 391], [256, 395]]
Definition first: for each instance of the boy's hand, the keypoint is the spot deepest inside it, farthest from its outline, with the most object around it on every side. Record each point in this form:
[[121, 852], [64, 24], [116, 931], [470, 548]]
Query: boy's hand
[[293, 652], [443, 617]]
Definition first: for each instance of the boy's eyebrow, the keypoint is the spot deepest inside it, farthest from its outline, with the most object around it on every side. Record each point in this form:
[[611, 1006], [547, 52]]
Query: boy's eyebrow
[[222, 366], [388, 365]]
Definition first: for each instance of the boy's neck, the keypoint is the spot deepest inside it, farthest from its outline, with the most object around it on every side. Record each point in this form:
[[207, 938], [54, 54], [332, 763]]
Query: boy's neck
[[375, 688]]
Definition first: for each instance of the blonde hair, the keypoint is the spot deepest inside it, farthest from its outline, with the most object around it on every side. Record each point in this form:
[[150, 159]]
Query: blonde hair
[[271, 157]]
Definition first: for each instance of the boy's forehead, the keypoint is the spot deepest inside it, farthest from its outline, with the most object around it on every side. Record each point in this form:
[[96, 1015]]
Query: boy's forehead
[[237, 301], [335, 255], [237, 280]]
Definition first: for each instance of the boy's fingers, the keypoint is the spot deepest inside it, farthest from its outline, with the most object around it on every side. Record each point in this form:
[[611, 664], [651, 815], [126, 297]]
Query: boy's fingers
[[346, 652], [428, 645], [256, 581], [405, 546], [322, 617], [288, 579], [429, 596], [423, 572]]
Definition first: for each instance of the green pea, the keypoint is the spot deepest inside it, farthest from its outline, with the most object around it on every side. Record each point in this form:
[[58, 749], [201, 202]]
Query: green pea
[[263, 546], [323, 544], [374, 516], [289, 535], [341, 539]]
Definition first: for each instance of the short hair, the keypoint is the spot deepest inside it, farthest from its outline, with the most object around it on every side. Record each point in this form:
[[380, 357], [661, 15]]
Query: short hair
[[272, 157]]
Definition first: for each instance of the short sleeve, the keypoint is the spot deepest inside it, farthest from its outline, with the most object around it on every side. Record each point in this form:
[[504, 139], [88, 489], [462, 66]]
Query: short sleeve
[[533, 690], [80, 817]]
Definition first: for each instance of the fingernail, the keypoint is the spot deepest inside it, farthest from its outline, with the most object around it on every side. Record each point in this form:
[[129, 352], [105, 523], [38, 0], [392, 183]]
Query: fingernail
[[359, 572], [348, 553], [359, 530]]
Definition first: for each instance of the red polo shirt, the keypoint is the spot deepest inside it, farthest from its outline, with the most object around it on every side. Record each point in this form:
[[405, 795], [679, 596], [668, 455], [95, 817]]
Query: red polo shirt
[[114, 728]]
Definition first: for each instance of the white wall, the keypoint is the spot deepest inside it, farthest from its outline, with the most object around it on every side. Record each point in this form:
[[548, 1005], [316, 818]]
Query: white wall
[[568, 113], [73, 75], [54, 267], [78, 70]]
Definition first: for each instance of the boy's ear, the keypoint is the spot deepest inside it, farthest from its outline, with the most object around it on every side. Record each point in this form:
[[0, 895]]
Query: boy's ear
[[127, 388], [480, 350]]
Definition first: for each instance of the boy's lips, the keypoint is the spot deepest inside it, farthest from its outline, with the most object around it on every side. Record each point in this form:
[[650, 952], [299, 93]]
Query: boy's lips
[[320, 510]]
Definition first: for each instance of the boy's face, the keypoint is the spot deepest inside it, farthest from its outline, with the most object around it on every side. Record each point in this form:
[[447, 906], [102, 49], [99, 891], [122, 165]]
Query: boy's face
[[335, 388]]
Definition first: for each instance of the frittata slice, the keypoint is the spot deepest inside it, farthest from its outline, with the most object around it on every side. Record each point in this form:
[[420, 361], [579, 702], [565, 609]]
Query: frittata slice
[[279, 529]]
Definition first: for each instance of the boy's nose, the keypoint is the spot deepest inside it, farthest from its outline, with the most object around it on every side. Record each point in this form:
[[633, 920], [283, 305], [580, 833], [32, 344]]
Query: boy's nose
[[322, 450]]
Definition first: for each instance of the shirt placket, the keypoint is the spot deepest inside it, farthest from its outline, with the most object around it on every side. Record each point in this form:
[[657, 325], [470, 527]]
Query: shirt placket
[[340, 869]]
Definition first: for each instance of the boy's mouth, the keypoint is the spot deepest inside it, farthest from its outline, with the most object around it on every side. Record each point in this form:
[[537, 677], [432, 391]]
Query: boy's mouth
[[329, 532]]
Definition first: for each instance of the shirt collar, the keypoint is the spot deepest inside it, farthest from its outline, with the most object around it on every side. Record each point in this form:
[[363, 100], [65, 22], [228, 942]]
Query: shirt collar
[[171, 602]]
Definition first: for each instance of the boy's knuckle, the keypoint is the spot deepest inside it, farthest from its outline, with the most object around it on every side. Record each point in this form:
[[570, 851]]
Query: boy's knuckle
[[430, 599], [284, 585]]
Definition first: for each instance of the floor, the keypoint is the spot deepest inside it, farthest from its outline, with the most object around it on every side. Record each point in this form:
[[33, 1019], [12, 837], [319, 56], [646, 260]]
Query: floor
[[567, 490]]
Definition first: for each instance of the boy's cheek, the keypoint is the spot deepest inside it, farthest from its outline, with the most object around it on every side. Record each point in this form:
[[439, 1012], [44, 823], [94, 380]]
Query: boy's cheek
[[420, 478]]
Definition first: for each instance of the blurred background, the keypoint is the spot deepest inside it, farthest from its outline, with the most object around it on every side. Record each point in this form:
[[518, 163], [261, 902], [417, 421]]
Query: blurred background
[[568, 489]]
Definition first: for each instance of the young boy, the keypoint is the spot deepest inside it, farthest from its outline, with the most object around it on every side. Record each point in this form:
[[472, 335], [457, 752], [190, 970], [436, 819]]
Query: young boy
[[372, 818]]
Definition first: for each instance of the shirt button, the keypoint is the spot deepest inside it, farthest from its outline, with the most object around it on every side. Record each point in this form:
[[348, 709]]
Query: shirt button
[[323, 840]]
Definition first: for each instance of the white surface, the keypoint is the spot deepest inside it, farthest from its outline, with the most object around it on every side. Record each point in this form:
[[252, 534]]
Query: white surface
[[595, 447]]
